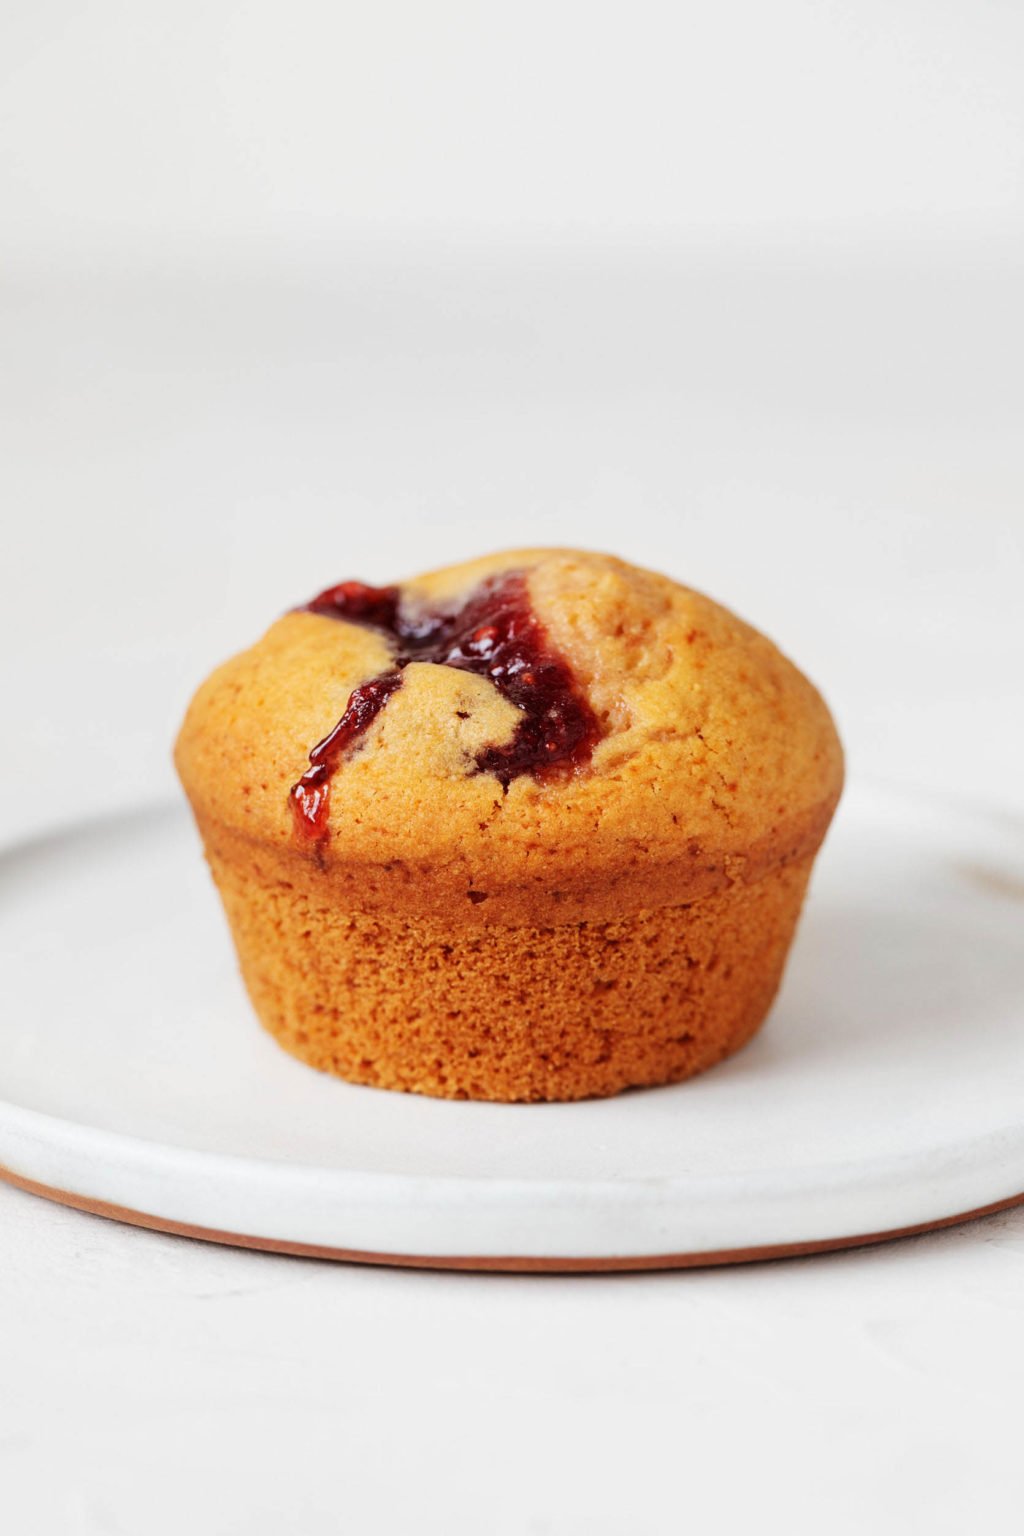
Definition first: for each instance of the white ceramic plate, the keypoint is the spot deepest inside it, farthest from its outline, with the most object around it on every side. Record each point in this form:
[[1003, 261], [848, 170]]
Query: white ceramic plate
[[885, 1093]]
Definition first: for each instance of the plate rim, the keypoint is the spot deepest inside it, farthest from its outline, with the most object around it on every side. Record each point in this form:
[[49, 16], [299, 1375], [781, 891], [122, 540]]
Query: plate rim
[[501, 1263]]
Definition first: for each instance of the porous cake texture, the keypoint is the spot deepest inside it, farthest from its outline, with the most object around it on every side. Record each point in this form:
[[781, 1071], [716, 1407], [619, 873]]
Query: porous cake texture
[[466, 917]]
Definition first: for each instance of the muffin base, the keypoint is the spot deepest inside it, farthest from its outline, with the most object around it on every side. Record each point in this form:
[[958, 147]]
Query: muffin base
[[511, 1012]]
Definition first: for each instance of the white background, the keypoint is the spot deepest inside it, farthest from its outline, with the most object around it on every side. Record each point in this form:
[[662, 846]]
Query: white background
[[294, 293]]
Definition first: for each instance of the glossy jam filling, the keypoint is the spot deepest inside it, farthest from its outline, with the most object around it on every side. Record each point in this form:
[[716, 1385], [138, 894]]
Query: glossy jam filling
[[495, 634]]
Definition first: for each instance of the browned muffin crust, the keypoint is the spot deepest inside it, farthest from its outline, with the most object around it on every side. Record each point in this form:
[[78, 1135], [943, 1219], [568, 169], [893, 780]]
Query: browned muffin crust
[[622, 923]]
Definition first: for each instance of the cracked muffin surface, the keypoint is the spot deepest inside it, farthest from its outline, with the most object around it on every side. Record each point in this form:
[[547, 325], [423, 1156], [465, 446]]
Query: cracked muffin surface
[[698, 763], [714, 749]]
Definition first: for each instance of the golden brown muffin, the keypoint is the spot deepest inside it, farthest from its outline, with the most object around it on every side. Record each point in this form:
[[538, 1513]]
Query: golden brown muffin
[[553, 841]]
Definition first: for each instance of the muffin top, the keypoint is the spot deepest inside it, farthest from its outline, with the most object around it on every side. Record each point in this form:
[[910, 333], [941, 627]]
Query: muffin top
[[542, 720]]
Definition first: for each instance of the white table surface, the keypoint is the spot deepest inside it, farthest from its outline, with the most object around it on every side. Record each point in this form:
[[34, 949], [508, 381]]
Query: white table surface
[[830, 443]]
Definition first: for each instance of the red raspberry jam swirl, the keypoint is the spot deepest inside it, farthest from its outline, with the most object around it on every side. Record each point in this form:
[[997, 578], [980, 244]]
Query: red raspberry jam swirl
[[495, 634]]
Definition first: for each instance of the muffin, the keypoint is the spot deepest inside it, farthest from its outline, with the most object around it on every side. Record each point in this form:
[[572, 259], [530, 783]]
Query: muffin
[[534, 827]]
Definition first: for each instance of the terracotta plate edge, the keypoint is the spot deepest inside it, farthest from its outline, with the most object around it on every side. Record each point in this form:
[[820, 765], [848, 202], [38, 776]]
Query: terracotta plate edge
[[507, 1264]]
